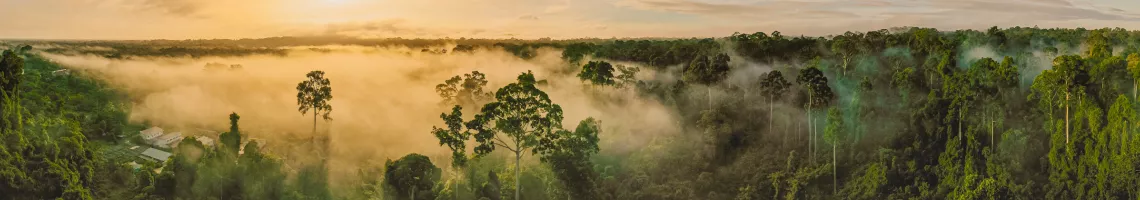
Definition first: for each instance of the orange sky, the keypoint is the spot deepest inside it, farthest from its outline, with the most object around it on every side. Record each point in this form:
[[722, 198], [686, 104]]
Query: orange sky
[[194, 19]]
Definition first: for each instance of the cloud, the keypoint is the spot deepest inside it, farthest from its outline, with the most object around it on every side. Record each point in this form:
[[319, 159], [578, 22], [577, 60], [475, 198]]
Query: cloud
[[771, 10], [557, 8], [820, 17], [384, 103], [528, 17], [398, 27], [181, 8]]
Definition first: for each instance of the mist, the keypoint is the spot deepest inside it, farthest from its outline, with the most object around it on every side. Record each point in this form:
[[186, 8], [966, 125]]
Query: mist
[[384, 102]]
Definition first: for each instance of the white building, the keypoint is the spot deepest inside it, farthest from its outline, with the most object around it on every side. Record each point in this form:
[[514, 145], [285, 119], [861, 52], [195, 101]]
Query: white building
[[168, 140], [155, 155], [209, 142], [61, 72], [151, 133]]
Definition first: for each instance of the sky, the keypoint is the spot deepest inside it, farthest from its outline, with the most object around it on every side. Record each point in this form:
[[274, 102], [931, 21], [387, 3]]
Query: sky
[[529, 19]]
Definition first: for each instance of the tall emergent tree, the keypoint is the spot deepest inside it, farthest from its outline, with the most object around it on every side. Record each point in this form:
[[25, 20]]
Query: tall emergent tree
[[314, 94], [11, 68], [598, 73], [707, 72], [773, 85], [832, 135], [1058, 84], [521, 118], [231, 140], [455, 137], [627, 78], [819, 94], [1134, 69], [846, 45], [464, 91]]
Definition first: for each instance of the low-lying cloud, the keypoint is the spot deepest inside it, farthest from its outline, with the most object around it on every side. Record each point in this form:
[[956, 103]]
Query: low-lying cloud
[[384, 103]]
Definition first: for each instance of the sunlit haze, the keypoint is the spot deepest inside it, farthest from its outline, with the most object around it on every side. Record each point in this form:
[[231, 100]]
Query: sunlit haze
[[228, 19]]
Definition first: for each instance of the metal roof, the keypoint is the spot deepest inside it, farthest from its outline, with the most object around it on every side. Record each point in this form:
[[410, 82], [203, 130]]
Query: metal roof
[[156, 154]]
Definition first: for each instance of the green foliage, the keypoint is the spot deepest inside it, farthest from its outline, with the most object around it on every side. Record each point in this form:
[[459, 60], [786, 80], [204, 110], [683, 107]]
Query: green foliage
[[11, 69], [773, 85], [521, 118], [42, 155], [657, 53], [834, 127], [812, 80], [231, 141], [464, 91], [707, 71], [522, 114], [1098, 45], [455, 136], [775, 47], [574, 53], [867, 183], [411, 177], [628, 76], [954, 126], [597, 73], [314, 94], [463, 48], [571, 160]]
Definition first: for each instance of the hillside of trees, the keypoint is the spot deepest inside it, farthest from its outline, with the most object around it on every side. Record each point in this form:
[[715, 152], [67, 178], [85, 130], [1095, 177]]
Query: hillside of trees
[[903, 113]]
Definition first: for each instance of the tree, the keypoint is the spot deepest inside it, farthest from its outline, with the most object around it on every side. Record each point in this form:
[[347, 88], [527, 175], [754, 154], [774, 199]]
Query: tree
[[231, 140], [628, 76], [11, 71], [1068, 76], [707, 72], [832, 135], [1098, 45], [598, 73], [846, 45], [1134, 69], [412, 175], [1123, 161], [570, 160], [521, 118], [455, 137], [314, 94], [464, 91], [773, 86], [819, 93]]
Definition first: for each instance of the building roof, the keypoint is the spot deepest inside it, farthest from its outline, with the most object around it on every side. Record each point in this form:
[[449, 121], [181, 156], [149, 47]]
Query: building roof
[[171, 136], [205, 140], [151, 132], [156, 154]]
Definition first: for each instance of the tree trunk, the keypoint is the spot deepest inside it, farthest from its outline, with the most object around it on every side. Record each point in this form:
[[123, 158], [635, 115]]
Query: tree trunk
[[456, 190], [834, 167], [414, 192], [845, 60], [710, 96], [314, 136], [992, 141], [518, 158], [811, 135]]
